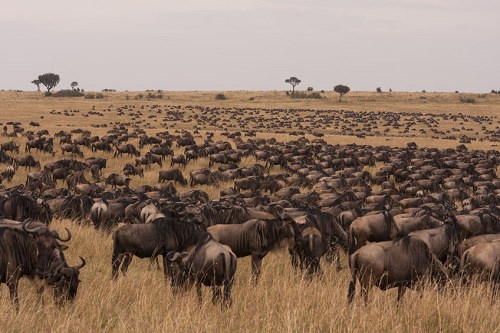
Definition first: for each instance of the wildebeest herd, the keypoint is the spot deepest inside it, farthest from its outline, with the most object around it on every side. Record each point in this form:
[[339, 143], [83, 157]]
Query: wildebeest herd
[[400, 214]]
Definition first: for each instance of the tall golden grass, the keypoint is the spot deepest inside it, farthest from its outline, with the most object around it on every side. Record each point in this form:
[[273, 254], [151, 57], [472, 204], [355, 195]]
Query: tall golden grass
[[283, 300]]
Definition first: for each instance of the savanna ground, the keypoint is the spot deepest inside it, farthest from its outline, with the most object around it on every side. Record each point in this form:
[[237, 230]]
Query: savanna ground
[[283, 300]]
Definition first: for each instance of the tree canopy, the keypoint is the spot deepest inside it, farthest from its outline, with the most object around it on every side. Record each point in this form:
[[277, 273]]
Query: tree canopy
[[49, 80], [341, 90], [293, 81]]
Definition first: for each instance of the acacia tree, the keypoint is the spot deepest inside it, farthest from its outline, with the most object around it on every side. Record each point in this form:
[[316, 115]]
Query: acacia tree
[[341, 90], [73, 85], [37, 82], [49, 80], [293, 81]]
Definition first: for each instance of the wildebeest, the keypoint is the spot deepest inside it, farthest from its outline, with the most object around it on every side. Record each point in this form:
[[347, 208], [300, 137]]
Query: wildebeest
[[34, 252], [27, 161], [483, 260], [9, 146], [128, 148], [202, 177], [472, 225], [470, 242], [115, 180], [151, 240], [209, 263], [254, 238], [8, 173], [179, 159], [71, 148], [172, 174], [442, 241], [130, 170], [17, 205], [306, 253], [391, 264], [103, 146]]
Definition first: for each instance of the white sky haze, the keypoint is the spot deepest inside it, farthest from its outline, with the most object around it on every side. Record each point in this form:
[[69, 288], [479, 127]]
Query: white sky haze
[[406, 45]]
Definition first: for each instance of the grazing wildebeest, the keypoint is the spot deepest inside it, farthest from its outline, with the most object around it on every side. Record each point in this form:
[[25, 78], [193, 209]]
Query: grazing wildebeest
[[130, 170], [31, 249], [172, 174], [254, 238], [115, 180], [9, 146], [179, 159], [102, 146], [391, 264], [128, 148], [201, 177], [26, 161], [209, 263], [483, 260], [71, 148], [75, 178], [153, 158], [151, 240]]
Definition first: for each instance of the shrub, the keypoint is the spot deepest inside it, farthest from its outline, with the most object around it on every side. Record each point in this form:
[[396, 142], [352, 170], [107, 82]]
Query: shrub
[[68, 93], [303, 94], [220, 96], [109, 90], [94, 96], [467, 99], [310, 88], [379, 90]]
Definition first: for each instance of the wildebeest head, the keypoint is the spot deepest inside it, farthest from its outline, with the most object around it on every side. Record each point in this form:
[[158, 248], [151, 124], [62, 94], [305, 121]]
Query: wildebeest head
[[179, 270], [66, 281]]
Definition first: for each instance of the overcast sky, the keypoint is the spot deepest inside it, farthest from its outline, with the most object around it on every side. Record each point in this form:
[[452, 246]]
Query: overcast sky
[[406, 45]]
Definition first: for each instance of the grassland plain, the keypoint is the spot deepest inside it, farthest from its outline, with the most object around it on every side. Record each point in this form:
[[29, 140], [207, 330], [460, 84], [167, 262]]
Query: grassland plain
[[283, 300]]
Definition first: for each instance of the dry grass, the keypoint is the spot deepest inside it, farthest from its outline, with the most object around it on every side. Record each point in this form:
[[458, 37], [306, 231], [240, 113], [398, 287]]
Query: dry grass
[[283, 301]]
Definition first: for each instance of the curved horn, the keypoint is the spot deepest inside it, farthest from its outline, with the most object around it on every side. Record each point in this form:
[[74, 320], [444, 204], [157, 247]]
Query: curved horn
[[26, 223], [81, 265], [56, 235]]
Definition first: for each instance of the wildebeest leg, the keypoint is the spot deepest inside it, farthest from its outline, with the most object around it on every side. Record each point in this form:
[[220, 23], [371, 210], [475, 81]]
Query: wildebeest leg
[[228, 283], [295, 258], [166, 268], [12, 284], [115, 264], [127, 259], [39, 285], [333, 256], [216, 295], [401, 292], [153, 261], [256, 267], [198, 293]]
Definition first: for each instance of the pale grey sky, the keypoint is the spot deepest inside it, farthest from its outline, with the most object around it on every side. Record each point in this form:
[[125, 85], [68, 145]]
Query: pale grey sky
[[406, 45]]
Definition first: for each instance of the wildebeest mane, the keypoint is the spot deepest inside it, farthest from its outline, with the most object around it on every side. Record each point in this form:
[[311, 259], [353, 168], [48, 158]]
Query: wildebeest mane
[[390, 225], [23, 255], [267, 233], [416, 249], [182, 233]]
